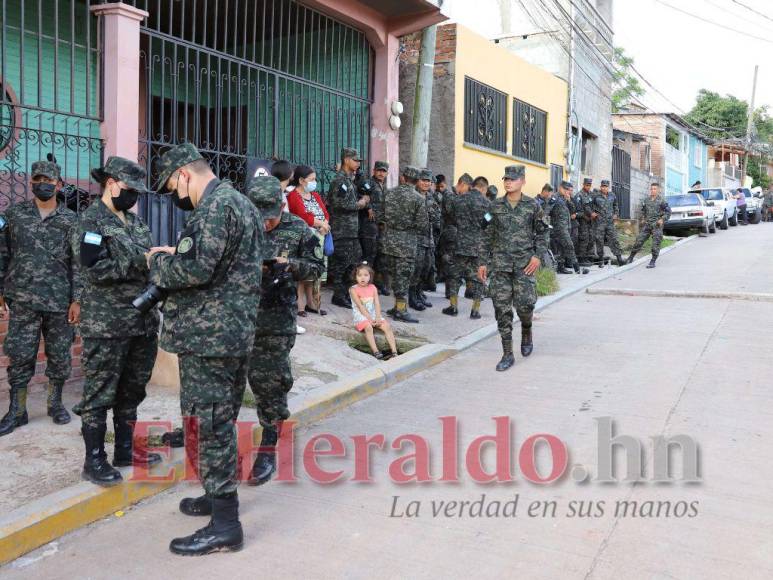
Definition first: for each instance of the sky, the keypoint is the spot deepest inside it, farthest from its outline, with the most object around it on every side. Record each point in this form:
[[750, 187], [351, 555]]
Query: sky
[[678, 54]]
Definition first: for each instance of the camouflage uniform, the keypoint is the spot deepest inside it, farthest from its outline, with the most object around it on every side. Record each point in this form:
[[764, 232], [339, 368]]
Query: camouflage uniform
[[514, 236], [468, 217], [368, 228], [606, 234], [582, 202], [344, 225], [652, 211], [767, 206], [269, 374], [210, 315], [39, 280], [574, 225], [424, 242], [547, 205], [560, 220]]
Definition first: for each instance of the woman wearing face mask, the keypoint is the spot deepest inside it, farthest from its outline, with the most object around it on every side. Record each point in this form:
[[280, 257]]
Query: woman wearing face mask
[[305, 202], [119, 342]]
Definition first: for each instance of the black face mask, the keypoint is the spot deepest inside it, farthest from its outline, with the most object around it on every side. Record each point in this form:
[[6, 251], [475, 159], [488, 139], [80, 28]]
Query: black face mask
[[44, 191], [184, 203], [126, 199]]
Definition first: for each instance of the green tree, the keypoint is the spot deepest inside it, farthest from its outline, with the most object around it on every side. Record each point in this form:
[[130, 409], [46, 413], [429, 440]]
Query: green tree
[[625, 86]]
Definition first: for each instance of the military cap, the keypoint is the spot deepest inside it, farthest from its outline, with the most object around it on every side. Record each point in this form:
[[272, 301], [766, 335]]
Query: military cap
[[381, 166], [176, 157], [604, 182], [492, 191], [567, 185], [47, 169], [587, 181], [515, 172], [466, 178], [349, 153], [410, 172], [122, 169], [425, 174], [265, 192]]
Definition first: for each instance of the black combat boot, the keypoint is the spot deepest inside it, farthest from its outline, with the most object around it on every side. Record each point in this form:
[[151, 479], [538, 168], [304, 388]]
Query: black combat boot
[[401, 312], [424, 300], [56, 410], [452, 309], [562, 269], [222, 534], [527, 346], [414, 301], [620, 261], [96, 468], [383, 290], [508, 359], [652, 263], [17, 412], [578, 270], [125, 454], [341, 300], [265, 463], [475, 314], [174, 438], [631, 257], [196, 506]]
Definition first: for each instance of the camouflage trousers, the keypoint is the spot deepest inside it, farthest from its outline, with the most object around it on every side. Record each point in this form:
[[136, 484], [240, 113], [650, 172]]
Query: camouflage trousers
[[399, 271], [369, 250], [606, 235], [646, 231], [210, 398], [23, 339], [584, 239], [510, 290], [346, 255], [562, 241], [422, 266], [271, 377], [117, 371], [574, 233], [465, 268]]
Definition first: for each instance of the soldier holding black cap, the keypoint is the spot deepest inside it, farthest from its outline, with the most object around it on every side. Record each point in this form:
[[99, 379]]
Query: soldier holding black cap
[[605, 208], [39, 283]]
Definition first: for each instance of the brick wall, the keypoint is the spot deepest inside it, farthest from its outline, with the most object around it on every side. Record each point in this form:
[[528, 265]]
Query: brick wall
[[652, 127]]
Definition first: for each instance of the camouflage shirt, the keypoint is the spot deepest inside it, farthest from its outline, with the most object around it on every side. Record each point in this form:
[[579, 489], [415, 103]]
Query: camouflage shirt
[[469, 218], [655, 209], [605, 206], [342, 205], [373, 188], [214, 278], [403, 210], [448, 235], [561, 213], [36, 262], [295, 240], [110, 285], [424, 229], [514, 235], [582, 202]]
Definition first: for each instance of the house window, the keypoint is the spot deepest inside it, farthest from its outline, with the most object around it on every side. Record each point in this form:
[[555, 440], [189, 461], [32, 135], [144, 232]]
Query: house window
[[673, 138], [698, 162], [529, 132], [588, 150], [485, 116]]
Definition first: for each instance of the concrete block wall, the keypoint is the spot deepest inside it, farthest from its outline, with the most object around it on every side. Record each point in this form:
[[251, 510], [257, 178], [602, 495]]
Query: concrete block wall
[[652, 127], [640, 188]]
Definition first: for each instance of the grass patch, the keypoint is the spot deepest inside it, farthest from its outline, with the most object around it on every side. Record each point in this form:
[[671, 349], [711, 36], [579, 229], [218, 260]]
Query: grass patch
[[626, 242], [547, 282]]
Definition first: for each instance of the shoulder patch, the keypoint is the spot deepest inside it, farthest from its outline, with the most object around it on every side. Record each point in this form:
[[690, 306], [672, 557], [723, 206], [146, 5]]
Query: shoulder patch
[[185, 245]]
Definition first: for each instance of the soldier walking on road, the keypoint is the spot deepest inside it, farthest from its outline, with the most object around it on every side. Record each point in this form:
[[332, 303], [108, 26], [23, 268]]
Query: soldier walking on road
[[606, 210], [120, 343], [39, 283], [425, 243], [212, 278], [654, 214], [344, 210], [515, 238], [582, 202]]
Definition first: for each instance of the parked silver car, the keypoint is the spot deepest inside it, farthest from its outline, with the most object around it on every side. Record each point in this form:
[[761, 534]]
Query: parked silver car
[[689, 211]]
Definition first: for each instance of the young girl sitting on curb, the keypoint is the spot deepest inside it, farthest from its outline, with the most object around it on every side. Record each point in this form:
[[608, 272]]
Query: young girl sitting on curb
[[367, 311]]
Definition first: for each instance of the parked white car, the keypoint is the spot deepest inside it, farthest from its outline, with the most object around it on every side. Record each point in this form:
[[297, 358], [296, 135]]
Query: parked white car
[[689, 211], [724, 205]]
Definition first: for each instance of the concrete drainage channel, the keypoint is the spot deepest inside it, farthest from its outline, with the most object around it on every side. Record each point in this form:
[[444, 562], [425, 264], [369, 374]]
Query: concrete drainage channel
[[43, 520]]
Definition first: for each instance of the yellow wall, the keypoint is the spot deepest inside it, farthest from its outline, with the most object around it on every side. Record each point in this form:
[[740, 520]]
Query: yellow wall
[[487, 63]]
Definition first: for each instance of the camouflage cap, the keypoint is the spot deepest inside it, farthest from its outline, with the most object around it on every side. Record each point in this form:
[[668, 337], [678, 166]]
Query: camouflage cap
[[515, 172], [587, 181], [567, 185], [492, 191], [265, 192], [176, 157], [349, 153], [604, 182], [381, 166], [47, 169], [122, 169], [466, 178], [425, 174], [410, 172]]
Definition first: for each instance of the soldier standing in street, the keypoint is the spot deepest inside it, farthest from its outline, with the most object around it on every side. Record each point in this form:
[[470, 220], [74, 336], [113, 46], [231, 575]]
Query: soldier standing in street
[[561, 219], [767, 206], [546, 201], [403, 212], [515, 238], [344, 210], [606, 210], [425, 243], [654, 214], [582, 202], [373, 188], [447, 245], [212, 279], [39, 282], [120, 343], [470, 210]]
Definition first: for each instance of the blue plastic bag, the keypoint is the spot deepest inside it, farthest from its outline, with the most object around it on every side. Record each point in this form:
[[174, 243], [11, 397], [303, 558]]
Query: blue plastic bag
[[328, 250]]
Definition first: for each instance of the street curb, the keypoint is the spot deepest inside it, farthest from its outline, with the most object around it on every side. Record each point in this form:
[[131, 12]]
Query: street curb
[[59, 513], [745, 296]]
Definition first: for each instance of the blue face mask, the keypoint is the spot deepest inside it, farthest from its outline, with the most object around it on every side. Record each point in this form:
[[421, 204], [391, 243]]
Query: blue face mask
[[311, 186]]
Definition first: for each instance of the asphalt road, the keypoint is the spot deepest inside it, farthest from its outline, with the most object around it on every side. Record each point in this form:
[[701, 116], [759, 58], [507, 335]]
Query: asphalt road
[[653, 366]]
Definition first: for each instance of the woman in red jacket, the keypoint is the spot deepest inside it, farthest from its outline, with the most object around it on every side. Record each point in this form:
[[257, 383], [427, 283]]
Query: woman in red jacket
[[305, 202]]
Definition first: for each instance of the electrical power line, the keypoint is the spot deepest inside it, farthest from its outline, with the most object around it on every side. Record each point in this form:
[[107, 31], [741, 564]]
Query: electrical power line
[[722, 26], [757, 12]]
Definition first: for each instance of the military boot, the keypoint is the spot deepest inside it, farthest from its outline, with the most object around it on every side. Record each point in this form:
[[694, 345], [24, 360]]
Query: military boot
[[527, 346], [452, 309], [475, 312], [508, 359], [96, 468], [413, 300], [562, 269], [620, 261], [196, 506], [17, 412], [56, 410], [631, 257], [265, 463], [578, 270], [222, 534], [125, 454], [424, 300], [652, 263], [401, 312]]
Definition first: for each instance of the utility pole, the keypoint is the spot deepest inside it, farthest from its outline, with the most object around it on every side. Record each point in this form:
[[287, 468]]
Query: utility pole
[[422, 108], [749, 126]]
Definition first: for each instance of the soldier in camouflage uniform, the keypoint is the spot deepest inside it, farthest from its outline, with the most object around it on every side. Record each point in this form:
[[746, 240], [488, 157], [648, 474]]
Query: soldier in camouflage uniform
[[213, 280], [446, 247], [39, 282], [119, 342], [582, 202], [572, 207], [404, 209], [655, 212], [767, 206], [425, 243], [344, 208], [469, 213], [604, 212], [515, 238], [298, 254], [436, 221], [560, 220], [546, 201], [373, 188]]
